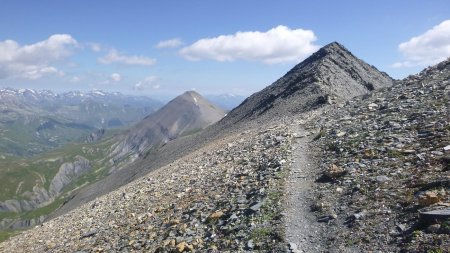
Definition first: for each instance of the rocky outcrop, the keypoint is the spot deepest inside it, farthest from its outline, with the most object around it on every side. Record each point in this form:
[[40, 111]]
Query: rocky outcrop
[[95, 136], [21, 223], [67, 173], [38, 197]]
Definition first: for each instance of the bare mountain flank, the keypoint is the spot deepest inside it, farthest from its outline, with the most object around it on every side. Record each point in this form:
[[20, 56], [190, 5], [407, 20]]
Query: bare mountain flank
[[332, 74], [184, 115]]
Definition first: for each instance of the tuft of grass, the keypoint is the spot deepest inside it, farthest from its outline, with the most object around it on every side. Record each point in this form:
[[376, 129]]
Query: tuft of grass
[[320, 134], [435, 251]]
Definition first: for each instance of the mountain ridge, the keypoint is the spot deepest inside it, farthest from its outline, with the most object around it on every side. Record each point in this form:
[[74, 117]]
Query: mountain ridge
[[331, 74]]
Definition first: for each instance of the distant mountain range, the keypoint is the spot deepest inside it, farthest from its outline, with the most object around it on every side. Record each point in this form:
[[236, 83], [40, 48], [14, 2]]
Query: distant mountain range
[[33, 121]]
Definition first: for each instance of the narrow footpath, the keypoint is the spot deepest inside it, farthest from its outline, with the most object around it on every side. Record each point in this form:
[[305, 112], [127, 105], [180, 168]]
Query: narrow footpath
[[303, 232]]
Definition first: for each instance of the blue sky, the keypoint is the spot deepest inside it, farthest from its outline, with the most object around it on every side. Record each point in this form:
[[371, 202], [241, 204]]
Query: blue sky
[[162, 48]]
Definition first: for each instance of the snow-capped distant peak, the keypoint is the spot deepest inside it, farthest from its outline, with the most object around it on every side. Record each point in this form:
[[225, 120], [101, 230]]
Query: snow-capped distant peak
[[97, 92]]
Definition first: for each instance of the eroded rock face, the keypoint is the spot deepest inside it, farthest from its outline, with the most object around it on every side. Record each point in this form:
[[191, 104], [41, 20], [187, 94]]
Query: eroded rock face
[[37, 197], [67, 173]]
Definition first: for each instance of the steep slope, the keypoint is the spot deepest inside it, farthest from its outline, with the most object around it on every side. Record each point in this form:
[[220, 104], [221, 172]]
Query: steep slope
[[186, 114], [222, 197], [393, 151], [332, 74]]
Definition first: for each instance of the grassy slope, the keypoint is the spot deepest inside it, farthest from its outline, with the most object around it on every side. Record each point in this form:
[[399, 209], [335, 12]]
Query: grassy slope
[[41, 169]]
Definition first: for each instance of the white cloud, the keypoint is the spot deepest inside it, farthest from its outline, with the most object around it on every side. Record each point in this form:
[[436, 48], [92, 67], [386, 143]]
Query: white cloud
[[172, 43], [278, 45], [96, 47], [146, 83], [115, 77], [34, 73], [426, 49], [34, 61], [115, 57]]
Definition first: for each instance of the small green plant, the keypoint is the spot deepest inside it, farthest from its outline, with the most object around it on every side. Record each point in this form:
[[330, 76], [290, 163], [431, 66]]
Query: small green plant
[[416, 233], [320, 134], [435, 251], [394, 154], [259, 234]]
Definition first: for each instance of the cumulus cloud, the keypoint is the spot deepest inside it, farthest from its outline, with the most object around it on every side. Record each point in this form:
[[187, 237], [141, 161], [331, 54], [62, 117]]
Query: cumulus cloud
[[115, 77], [35, 60], [172, 43], [428, 48], [115, 57], [277, 45], [146, 83]]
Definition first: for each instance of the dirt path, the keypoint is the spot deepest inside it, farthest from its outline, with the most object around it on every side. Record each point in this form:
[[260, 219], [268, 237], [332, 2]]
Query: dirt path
[[303, 232]]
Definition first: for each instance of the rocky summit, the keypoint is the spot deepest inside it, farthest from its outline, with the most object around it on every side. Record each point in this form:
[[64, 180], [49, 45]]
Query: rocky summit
[[350, 161], [332, 74]]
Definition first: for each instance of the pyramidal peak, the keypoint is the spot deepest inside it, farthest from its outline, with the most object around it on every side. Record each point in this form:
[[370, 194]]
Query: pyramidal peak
[[330, 75], [191, 96], [185, 114], [334, 46]]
